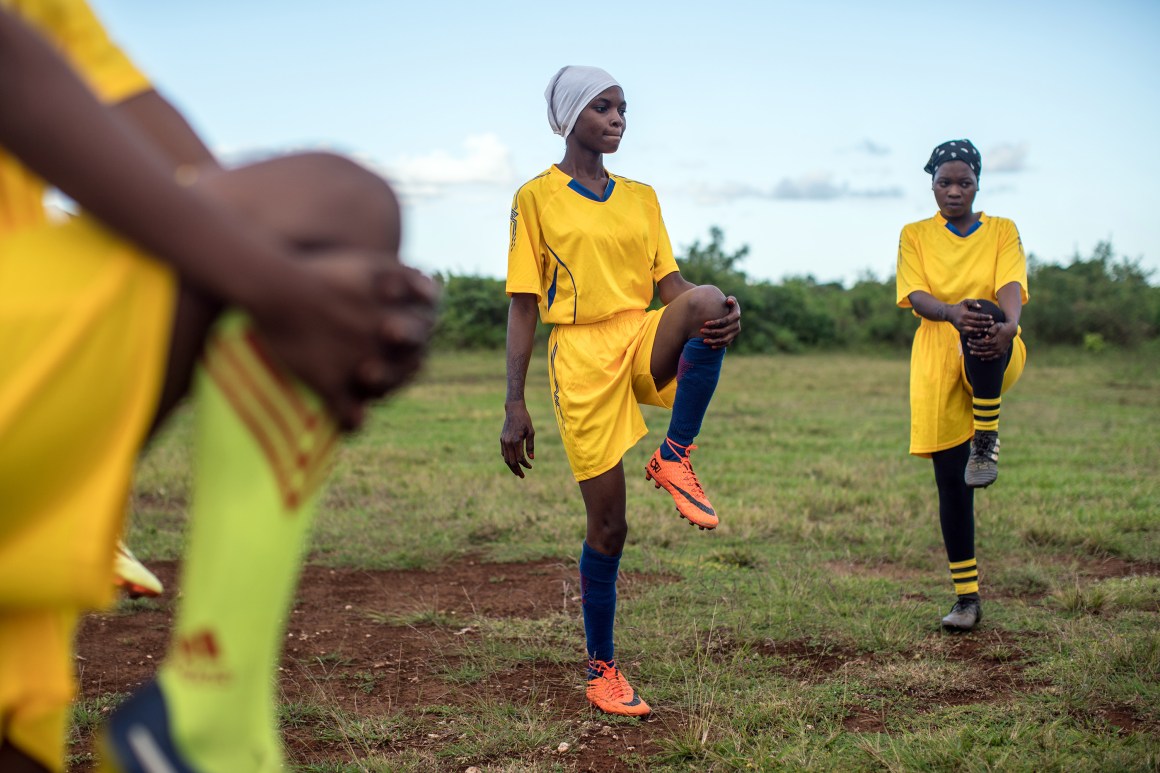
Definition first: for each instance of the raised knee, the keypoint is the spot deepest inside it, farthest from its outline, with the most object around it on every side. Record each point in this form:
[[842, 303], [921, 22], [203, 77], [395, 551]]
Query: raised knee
[[317, 200], [992, 308], [706, 302], [348, 192]]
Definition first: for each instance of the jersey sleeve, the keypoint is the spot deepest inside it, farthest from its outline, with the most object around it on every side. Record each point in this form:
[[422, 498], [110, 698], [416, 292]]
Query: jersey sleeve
[[663, 261], [909, 276], [106, 69], [525, 264], [1011, 264]]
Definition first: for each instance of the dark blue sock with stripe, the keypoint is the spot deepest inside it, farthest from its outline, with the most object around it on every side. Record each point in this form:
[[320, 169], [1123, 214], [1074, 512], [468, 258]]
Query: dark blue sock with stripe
[[598, 599], [698, 371]]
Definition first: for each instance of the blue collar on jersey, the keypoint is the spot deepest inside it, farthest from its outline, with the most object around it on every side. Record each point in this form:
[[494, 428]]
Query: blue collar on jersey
[[970, 230], [589, 194]]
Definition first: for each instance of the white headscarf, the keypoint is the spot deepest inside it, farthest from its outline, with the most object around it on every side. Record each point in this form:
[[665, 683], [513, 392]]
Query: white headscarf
[[570, 91]]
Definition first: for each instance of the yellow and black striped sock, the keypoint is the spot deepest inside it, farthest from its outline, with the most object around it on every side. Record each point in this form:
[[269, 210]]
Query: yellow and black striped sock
[[987, 413], [966, 576]]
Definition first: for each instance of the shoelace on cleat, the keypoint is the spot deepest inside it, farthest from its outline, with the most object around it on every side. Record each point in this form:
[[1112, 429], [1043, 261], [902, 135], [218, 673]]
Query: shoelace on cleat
[[617, 687], [987, 445], [690, 479], [963, 606]]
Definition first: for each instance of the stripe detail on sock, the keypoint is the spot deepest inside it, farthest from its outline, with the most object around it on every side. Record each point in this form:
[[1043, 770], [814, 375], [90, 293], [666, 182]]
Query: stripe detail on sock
[[295, 438], [987, 413], [965, 575]]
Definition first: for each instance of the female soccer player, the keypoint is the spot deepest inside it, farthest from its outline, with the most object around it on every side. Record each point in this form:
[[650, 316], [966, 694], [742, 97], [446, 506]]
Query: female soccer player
[[964, 273], [586, 248], [102, 319]]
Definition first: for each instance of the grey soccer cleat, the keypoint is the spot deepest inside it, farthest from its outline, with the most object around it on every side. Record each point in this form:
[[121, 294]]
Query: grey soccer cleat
[[964, 615], [983, 464]]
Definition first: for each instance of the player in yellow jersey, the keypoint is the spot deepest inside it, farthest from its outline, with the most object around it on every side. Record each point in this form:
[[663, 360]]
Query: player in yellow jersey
[[586, 249], [101, 321], [964, 273]]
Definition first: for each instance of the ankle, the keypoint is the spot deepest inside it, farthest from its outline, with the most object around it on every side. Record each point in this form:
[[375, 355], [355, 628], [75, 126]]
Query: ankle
[[673, 451]]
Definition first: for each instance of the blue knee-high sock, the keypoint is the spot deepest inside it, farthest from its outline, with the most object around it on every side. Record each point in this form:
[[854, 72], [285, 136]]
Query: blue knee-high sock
[[697, 374], [598, 598]]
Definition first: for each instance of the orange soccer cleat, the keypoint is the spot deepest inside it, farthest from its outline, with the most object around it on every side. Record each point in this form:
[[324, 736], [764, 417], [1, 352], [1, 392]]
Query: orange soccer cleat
[[610, 692], [131, 576], [679, 480]]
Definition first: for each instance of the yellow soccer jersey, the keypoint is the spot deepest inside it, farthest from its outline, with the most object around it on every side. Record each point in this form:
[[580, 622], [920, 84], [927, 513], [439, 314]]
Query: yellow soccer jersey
[[587, 258], [934, 259], [950, 267], [73, 28]]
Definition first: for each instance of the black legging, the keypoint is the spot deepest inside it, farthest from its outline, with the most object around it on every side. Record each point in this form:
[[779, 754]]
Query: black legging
[[956, 500], [985, 376]]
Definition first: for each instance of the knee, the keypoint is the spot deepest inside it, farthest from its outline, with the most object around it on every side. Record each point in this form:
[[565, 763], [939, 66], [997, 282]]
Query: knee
[[705, 302], [609, 537], [317, 200], [350, 198], [992, 308]]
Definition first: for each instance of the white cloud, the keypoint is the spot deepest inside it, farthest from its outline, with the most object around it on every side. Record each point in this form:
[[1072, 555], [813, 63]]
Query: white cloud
[[722, 193], [1008, 157], [873, 148], [483, 160], [814, 186]]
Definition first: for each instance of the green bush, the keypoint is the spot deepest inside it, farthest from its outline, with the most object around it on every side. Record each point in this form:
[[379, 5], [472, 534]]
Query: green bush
[[1091, 303]]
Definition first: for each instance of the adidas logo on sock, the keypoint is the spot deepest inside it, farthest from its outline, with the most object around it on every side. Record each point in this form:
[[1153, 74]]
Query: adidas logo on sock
[[198, 658]]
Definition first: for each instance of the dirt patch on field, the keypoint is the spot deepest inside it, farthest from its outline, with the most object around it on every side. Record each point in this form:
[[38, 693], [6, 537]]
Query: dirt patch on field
[[1108, 568], [386, 663], [807, 660], [985, 667], [386, 647]]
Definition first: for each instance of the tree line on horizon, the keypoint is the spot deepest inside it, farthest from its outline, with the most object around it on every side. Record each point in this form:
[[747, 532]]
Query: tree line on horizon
[[1093, 302]]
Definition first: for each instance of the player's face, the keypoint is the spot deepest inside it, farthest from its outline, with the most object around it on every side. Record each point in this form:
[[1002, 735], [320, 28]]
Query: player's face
[[955, 186], [601, 124]]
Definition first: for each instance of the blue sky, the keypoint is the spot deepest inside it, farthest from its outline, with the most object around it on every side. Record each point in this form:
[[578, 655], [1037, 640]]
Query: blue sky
[[799, 128]]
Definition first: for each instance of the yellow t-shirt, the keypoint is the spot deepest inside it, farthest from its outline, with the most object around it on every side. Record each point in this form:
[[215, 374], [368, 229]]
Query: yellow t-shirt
[[586, 258], [85, 323], [72, 27], [950, 267], [934, 259]]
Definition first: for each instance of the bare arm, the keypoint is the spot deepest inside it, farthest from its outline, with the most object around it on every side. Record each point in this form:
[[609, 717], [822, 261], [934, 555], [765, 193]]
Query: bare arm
[[155, 117], [57, 127], [1010, 298], [53, 124], [673, 286], [962, 315], [518, 432]]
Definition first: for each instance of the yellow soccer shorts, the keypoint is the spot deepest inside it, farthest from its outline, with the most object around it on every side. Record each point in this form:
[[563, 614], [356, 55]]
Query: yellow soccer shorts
[[941, 413], [36, 682], [600, 374], [85, 323]]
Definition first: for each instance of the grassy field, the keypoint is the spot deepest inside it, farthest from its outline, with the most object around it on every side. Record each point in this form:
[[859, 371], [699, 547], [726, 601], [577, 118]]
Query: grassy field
[[803, 632]]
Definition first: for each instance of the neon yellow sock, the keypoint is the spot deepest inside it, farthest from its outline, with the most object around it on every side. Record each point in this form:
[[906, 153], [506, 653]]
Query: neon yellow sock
[[263, 447]]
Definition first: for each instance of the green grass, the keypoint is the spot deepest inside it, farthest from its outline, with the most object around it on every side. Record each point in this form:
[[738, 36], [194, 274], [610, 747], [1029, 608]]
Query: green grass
[[802, 633]]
